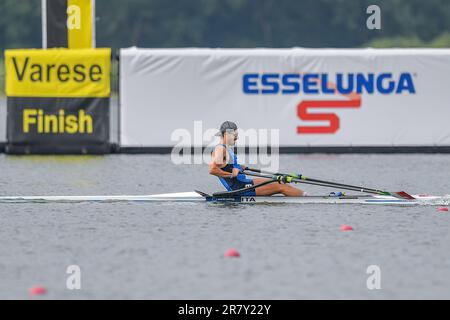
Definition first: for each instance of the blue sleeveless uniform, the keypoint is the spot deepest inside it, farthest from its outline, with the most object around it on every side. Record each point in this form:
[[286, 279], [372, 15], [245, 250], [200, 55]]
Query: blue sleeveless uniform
[[240, 181]]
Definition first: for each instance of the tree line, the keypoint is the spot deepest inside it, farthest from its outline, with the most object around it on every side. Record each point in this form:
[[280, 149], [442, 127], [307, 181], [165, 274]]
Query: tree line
[[242, 23]]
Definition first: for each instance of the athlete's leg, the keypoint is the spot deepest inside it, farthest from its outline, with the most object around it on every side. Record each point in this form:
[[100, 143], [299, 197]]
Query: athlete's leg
[[274, 188]]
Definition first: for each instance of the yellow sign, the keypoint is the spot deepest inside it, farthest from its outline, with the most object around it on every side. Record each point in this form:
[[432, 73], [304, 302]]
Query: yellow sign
[[79, 23], [63, 73]]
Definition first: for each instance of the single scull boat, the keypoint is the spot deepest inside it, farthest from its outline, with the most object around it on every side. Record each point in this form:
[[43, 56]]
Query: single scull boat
[[197, 196], [373, 196]]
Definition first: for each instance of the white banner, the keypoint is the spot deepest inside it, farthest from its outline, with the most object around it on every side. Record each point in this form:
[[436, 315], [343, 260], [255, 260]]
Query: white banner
[[314, 97]]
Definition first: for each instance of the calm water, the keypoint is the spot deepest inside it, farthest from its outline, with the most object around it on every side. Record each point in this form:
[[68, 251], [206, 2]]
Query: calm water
[[157, 251]]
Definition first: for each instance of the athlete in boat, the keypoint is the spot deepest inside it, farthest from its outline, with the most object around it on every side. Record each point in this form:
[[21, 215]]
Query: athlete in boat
[[225, 166]]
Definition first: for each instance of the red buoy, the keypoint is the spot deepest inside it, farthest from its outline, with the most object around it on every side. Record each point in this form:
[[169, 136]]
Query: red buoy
[[442, 209], [37, 290], [232, 253], [346, 227]]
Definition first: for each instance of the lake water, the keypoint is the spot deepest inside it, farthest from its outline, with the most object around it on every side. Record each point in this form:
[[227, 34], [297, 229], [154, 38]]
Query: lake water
[[159, 251]]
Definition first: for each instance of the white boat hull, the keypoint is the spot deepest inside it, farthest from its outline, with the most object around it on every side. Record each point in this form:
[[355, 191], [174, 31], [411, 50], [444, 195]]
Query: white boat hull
[[197, 197]]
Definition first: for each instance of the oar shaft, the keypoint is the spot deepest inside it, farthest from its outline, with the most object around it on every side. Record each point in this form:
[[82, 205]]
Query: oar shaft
[[321, 184], [327, 183]]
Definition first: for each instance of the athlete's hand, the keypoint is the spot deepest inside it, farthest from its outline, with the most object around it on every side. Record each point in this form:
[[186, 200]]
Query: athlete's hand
[[243, 168], [235, 172]]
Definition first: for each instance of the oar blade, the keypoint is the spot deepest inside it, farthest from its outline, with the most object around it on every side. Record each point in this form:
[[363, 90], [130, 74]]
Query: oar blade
[[402, 195]]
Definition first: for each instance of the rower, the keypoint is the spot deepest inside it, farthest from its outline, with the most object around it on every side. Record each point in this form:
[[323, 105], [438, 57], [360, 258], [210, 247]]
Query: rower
[[225, 166]]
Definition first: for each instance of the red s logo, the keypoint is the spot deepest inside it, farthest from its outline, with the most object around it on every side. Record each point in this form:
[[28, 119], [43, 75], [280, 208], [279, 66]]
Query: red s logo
[[333, 119]]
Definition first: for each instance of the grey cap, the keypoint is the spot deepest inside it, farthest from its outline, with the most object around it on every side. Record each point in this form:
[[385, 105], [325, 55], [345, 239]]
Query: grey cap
[[227, 125]]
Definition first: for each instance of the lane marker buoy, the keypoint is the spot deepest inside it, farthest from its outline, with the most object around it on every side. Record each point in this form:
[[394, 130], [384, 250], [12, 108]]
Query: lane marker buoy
[[346, 227], [232, 253], [37, 290]]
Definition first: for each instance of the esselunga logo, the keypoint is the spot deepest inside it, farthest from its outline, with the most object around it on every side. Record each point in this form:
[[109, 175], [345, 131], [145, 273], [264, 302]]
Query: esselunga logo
[[350, 85], [58, 72], [324, 83]]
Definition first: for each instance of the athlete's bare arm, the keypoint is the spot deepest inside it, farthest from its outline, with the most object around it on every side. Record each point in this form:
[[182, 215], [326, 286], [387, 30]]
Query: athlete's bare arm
[[218, 161]]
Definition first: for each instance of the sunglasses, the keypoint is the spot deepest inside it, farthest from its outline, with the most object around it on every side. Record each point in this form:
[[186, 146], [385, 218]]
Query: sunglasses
[[233, 132]]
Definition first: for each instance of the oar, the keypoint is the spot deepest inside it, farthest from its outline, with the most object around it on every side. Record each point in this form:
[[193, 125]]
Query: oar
[[290, 178], [334, 184], [323, 183], [243, 190]]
